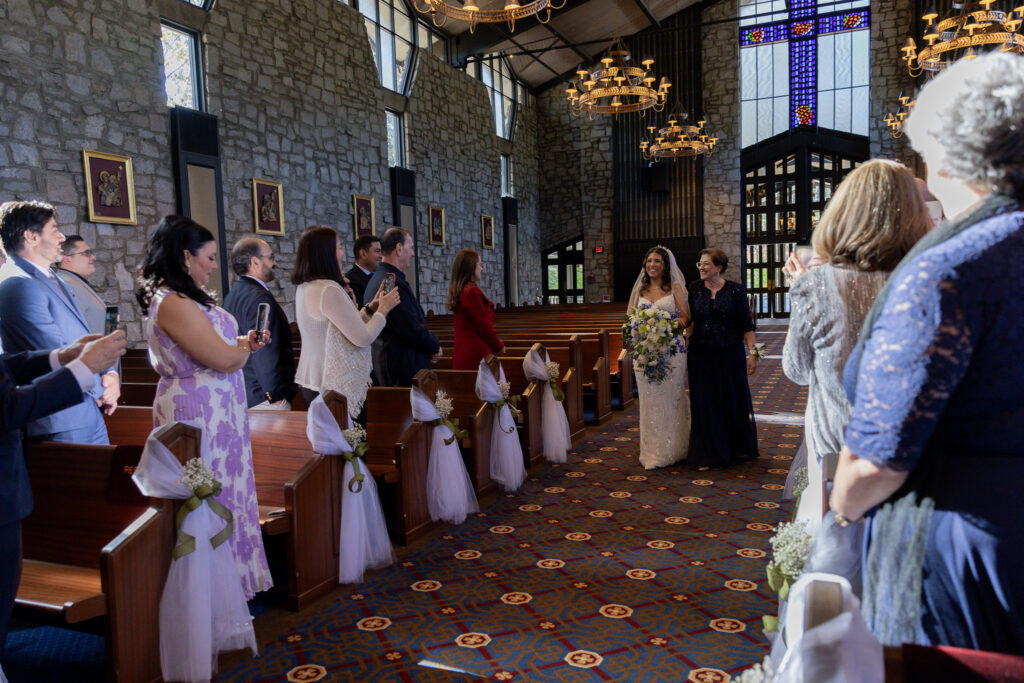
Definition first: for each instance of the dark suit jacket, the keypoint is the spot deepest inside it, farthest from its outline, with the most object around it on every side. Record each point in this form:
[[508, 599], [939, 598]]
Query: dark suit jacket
[[358, 280], [21, 401], [270, 372], [405, 345]]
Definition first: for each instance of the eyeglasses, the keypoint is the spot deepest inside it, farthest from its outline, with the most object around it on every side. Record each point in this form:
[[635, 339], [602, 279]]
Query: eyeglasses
[[88, 253]]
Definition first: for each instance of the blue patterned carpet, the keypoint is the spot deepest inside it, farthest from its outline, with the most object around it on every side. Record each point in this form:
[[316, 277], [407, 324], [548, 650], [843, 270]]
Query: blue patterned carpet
[[595, 570]]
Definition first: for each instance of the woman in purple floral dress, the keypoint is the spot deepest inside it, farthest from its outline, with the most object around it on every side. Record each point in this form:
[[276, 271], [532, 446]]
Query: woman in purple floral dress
[[194, 347]]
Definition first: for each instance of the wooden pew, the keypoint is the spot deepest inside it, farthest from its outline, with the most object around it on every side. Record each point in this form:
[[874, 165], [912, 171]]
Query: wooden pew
[[396, 440], [295, 488], [529, 425], [96, 550], [474, 415]]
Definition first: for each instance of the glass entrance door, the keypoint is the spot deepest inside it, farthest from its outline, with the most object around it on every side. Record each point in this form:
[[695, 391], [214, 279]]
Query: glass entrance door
[[563, 273]]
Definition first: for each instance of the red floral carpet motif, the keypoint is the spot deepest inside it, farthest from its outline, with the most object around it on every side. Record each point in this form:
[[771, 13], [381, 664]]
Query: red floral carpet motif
[[595, 570]]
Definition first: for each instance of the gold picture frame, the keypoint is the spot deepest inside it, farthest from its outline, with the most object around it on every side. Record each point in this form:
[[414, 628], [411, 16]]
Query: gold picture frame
[[436, 225], [364, 216], [487, 231], [267, 207], [109, 187]]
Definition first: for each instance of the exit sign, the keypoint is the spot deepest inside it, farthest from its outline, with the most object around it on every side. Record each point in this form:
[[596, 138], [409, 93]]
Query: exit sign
[[598, 250]]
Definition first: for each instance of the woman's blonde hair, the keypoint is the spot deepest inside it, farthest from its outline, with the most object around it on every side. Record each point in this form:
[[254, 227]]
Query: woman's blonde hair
[[873, 219], [463, 270]]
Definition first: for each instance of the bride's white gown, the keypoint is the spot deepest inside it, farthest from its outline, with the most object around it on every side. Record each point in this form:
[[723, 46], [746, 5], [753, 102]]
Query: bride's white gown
[[664, 408]]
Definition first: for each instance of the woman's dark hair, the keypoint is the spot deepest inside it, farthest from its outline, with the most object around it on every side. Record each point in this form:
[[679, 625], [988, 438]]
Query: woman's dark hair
[[316, 257], [463, 269], [718, 257], [666, 270], [165, 261]]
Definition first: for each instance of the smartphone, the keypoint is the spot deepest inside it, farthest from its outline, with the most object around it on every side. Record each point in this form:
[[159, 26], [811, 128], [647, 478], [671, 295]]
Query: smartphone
[[262, 319], [389, 283], [804, 254], [111, 320]]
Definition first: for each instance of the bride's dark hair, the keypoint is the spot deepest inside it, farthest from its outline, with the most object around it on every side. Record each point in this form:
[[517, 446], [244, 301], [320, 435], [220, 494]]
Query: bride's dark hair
[[666, 271]]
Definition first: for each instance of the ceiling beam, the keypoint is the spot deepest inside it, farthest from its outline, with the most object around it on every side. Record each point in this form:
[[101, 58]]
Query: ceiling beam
[[587, 59], [647, 13]]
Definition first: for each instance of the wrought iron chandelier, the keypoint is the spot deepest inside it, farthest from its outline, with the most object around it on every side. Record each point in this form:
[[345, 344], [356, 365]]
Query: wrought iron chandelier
[[471, 13], [677, 139], [971, 26], [895, 121], [616, 87]]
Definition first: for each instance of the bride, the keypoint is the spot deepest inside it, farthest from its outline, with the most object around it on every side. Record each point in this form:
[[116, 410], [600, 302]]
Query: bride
[[664, 407]]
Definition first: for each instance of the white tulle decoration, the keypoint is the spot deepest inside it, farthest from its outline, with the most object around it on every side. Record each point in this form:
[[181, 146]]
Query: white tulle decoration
[[506, 452], [364, 542], [450, 494], [554, 424], [202, 609]]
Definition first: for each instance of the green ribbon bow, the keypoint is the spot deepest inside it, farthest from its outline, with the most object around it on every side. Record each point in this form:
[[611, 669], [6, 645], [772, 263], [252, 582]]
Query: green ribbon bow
[[452, 425], [204, 492], [778, 580], [353, 456], [556, 389], [511, 402]]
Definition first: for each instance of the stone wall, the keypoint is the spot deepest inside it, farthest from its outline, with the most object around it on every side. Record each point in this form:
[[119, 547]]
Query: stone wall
[[526, 187], [73, 77], [576, 196], [720, 57], [892, 21]]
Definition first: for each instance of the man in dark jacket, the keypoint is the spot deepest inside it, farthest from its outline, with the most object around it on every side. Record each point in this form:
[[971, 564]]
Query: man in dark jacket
[[367, 255], [270, 372], [34, 384], [406, 345]]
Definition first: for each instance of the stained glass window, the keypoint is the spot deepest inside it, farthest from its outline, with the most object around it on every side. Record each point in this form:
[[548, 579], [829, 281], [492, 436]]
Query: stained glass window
[[803, 67]]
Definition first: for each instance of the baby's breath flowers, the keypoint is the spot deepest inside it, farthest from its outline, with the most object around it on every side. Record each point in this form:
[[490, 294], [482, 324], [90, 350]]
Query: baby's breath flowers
[[443, 403], [506, 389], [354, 435], [553, 369], [791, 546], [197, 473]]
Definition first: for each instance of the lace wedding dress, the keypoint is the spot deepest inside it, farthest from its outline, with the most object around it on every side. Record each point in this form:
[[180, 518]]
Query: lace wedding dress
[[664, 408]]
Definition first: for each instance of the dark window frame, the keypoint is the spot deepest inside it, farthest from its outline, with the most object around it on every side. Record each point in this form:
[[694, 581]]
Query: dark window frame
[[198, 63]]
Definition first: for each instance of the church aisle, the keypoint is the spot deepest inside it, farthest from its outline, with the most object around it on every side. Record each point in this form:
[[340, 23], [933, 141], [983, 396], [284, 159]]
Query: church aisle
[[595, 570]]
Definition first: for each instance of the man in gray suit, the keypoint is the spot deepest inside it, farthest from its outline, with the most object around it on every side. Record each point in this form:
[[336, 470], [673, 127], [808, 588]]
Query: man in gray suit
[[38, 312], [79, 263]]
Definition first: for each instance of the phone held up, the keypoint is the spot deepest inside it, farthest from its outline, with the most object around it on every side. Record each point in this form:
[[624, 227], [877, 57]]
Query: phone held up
[[389, 283], [262, 320], [111, 320]]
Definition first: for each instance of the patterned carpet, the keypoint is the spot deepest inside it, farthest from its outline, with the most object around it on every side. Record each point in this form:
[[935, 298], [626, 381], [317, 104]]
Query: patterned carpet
[[595, 570]]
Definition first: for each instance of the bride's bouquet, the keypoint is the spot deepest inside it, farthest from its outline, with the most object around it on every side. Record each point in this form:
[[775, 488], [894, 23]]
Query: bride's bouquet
[[653, 337]]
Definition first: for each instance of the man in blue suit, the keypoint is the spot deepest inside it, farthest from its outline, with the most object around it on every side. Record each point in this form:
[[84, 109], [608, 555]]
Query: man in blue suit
[[38, 312], [32, 385]]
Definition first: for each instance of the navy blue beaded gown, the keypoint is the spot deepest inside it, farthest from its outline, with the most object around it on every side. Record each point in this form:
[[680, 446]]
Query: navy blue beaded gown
[[723, 430], [938, 392]]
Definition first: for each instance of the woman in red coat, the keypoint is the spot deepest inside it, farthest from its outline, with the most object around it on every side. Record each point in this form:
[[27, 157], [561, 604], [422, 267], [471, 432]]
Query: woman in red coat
[[474, 314]]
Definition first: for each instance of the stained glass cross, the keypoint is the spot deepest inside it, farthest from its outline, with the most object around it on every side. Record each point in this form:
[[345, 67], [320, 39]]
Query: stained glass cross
[[802, 28]]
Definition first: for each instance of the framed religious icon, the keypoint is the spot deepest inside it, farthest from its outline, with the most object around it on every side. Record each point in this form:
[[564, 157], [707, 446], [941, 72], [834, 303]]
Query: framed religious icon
[[435, 224], [267, 207], [109, 187], [363, 217], [487, 231]]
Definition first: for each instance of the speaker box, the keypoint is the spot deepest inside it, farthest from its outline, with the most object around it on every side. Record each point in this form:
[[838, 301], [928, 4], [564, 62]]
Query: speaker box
[[655, 177], [195, 131], [510, 210], [403, 182]]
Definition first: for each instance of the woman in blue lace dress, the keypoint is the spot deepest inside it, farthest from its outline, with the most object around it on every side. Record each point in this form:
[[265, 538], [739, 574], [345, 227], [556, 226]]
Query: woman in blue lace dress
[[937, 383]]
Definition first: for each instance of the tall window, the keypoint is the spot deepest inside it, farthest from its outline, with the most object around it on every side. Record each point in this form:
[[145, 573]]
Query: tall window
[[507, 189], [431, 41], [497, 75], [182, 66], [392, 34], [800, 67], [396, 138]]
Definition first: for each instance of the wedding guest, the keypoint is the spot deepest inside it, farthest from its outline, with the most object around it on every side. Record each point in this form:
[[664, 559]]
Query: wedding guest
[[937, 384], [269, 375], [195, 347], [474, 313], [406, 345], [37, 311], [75, 267], [336, 336], [722, 429], [872, 220], [367, 258], [34, 384]]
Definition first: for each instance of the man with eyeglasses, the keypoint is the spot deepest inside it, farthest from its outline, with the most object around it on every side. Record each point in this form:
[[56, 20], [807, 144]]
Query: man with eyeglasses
[[76, 265], [269, 374]]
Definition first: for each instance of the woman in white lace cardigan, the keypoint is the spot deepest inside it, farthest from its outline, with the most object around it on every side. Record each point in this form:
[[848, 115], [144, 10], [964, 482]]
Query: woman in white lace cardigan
[[875, 216], [336, 335]]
